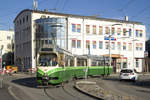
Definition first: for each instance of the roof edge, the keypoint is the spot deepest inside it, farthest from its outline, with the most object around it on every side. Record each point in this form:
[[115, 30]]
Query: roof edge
[[72, 15]]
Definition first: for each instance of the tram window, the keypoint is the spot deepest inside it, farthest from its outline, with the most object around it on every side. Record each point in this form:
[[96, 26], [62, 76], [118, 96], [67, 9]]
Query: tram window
[[94, 63]]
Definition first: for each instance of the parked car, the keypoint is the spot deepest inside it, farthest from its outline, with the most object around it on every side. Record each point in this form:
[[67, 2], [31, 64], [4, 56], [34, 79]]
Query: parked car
[[128, 74]]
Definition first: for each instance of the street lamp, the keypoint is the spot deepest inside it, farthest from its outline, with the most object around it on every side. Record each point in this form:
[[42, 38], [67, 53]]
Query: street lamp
[[110, 36]]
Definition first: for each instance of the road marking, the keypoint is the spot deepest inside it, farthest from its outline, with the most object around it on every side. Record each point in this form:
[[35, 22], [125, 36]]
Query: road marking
[[10, 91]]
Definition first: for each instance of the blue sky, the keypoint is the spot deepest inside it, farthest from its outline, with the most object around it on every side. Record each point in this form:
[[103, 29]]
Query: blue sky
[[137, 10]]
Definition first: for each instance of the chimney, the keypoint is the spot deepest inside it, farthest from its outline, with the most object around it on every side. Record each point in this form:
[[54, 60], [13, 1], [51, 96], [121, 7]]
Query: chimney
[[126, 18]]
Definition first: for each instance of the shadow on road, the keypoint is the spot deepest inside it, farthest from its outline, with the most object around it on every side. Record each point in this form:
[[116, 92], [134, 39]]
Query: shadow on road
[[144, 83], [29, 82]]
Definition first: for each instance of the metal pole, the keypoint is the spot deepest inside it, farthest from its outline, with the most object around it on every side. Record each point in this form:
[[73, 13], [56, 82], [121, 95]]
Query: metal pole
[[109, 52], [133, 46]]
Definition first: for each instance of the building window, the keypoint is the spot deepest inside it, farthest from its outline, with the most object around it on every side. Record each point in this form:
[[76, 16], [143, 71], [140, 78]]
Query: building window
[[78, 43], [113, 30], [140, 33], [137, 46], [118, 31], [124, 46], [23, 20], [100, 30], [78, 28], [73, 44], [46, 41], [8, 46], [8, 37], [87, 44], [100, 45], [107, 31], [137, 33], [113, 45], [119, 45], [27, 18], [106, 45], [130, 46], [141, 46], [94, 44], [87, 29], [73, 28], [137, 63], [50, 41], [94, 29], [130, 32], [124, 32]]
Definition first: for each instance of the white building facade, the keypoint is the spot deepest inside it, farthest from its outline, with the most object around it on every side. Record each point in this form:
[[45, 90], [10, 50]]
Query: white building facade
[[6, 40], [6, 44], [84, 35]]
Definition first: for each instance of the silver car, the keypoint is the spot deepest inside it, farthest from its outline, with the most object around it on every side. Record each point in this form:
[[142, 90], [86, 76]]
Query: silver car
[[128, 74]]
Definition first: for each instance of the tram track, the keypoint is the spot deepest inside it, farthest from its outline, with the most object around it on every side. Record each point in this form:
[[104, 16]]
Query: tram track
[[64, 92], [69, 93], [49, 96]]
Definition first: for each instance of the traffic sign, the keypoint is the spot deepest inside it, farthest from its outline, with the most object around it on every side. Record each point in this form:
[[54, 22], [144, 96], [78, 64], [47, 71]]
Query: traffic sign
[[112, 38]]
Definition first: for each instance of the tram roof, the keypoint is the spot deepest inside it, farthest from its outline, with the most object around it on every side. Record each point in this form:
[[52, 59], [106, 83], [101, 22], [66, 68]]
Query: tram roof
[[94, 57]]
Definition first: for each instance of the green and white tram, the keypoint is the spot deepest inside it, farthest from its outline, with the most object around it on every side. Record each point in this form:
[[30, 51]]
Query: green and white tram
[[55, 68]]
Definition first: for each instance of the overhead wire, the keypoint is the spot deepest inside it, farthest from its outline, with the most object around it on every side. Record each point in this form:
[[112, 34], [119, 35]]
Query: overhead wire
[[65, 3], [140, 12], [125, 7], [56, 4]]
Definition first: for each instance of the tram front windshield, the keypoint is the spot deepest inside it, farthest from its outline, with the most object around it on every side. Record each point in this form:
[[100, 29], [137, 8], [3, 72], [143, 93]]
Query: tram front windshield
[[47, 60]]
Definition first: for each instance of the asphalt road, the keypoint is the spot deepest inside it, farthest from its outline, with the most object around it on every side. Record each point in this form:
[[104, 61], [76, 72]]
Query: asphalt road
[[140, 90], [4, 93], [26, 85]]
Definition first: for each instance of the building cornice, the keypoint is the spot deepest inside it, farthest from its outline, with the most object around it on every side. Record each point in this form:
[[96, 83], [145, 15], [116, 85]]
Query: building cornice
[[77, 16]]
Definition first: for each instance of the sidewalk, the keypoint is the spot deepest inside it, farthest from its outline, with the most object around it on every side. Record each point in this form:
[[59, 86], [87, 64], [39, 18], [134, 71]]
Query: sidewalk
[[92, 89]]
